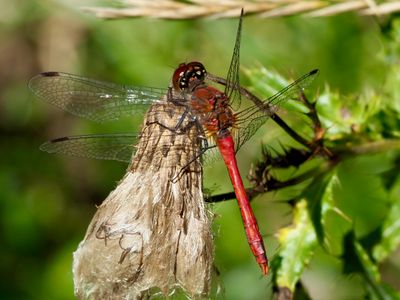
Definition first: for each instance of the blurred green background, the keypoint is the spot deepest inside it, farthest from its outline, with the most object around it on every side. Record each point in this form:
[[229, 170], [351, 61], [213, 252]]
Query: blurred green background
[[47, 201]]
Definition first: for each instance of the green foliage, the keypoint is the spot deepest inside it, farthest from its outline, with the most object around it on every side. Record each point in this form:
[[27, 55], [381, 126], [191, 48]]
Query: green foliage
[[298, 242], [350, 204], [390, 227]]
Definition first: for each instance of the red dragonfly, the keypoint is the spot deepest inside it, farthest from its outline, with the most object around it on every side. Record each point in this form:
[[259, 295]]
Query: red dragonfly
[[207, 108]]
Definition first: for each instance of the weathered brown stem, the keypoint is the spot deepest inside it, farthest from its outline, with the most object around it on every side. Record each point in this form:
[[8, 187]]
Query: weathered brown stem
[[151, 234]]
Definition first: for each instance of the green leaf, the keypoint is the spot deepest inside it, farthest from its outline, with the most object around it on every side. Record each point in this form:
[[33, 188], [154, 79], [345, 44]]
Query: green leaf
[[361, 194], [320, 199], [357, 260], [264, 81], [390, 239], [298, 242]]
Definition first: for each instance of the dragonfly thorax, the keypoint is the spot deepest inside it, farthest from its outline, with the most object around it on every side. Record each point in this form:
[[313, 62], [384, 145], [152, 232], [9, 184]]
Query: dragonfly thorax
[[212, 109]]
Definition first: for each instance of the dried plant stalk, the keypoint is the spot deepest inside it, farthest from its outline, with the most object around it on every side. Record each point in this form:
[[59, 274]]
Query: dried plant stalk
[[151, 233], [169, 9]]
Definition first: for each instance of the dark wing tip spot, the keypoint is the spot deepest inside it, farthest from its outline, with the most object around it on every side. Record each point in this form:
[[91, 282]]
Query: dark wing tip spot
[[48, 146], [34, 80], [61, 139], [315, 71], [50, 74]]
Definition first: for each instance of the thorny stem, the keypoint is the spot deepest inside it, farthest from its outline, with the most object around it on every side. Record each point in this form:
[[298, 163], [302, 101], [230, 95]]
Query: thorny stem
[[337, 156], [315, 146], [244, 92], [278, 120], [332, 156], [269, 186], [313, 115]]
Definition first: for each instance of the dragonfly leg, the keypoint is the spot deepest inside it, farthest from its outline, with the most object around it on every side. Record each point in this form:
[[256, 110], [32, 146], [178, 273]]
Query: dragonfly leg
[[178, 128], [204, 148]]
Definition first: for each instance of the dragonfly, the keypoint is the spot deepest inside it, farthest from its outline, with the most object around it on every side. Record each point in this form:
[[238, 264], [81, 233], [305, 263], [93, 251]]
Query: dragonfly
[[217, 115]]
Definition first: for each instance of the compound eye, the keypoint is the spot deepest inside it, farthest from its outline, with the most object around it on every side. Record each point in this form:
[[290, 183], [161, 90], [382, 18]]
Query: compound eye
[[196, 70], [187, 73], [179, 76]]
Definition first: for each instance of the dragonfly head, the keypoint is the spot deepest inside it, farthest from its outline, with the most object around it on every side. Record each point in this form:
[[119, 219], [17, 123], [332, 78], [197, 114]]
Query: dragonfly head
[[185, 74]]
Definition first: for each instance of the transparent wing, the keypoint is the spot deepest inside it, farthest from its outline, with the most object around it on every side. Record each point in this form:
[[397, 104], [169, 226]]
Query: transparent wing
[[252, 118], [292, 91], [117, 147], [92, 99], [232, 79]]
